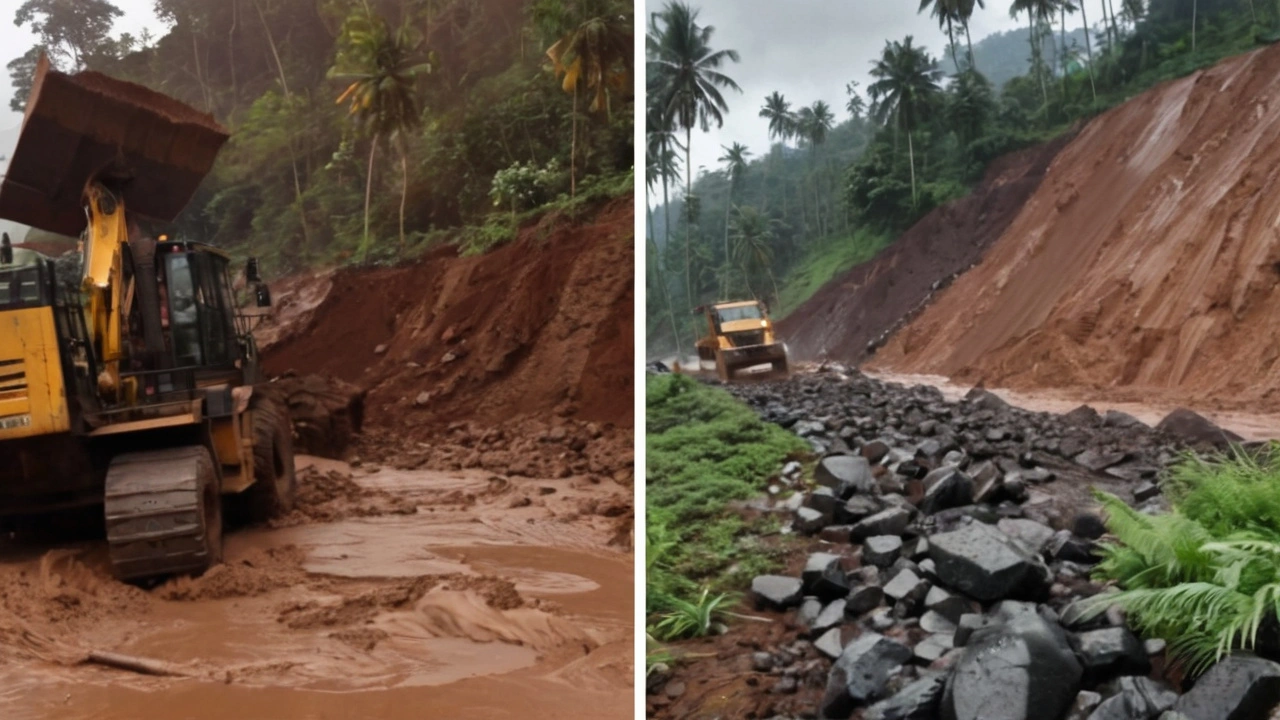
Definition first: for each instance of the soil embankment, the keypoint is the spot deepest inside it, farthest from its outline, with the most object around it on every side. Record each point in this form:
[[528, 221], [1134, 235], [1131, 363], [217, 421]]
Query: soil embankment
[[856, 310], [1144, 266]]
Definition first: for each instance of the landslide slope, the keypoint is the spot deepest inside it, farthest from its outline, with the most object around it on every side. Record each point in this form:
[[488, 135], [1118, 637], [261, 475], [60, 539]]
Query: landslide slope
[[1147, 260], [870, 300], [541, 326]]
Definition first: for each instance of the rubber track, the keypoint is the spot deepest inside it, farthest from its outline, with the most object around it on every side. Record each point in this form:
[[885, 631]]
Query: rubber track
[[153, 512]]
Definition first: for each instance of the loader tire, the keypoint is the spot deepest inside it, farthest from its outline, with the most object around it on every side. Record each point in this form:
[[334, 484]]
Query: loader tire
[[163, 511], [275, 482]]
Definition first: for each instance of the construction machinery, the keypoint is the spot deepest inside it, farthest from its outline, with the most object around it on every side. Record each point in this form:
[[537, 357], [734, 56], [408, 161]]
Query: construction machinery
[[740, 340], [129, 378]]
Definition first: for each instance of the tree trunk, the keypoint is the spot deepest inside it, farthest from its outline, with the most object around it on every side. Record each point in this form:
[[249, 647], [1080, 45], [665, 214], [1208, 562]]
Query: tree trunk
[[1088, 46], [951, 36], [777, 298], [368, 195], [404, 188], [728, 263], [911, 159], [973, 64], [1062, 51], [1037, 58], [573, 147], [1193, 26], [688, 219]]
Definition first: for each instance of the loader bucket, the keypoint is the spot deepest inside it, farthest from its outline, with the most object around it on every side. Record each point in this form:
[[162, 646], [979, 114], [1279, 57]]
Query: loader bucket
[[151, 149], [746, 363]]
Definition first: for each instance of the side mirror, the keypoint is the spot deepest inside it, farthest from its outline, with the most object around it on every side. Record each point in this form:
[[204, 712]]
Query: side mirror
[[6, 250], [251, 271], [263, 295]]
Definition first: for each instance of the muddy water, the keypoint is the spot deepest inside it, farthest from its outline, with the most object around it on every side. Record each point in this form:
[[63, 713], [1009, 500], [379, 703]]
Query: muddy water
[[333, 620]]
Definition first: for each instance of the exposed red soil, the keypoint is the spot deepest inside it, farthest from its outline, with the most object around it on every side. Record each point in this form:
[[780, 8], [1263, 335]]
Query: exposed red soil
[[1146, 262], [542, 327], [876, 297]]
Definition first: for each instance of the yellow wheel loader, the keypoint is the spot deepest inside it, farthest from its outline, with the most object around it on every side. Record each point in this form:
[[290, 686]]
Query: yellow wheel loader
[[740, 340], [131, 382]]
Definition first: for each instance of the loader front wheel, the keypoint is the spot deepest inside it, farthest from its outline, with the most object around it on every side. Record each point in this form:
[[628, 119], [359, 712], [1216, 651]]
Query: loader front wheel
[[274, 480]]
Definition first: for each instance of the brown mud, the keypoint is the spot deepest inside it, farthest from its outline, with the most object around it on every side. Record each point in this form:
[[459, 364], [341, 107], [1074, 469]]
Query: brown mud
[[465, 604], [1145, 265]]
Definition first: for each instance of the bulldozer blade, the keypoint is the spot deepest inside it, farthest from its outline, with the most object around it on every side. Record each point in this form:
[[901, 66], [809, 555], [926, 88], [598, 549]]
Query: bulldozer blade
[[151, 149]]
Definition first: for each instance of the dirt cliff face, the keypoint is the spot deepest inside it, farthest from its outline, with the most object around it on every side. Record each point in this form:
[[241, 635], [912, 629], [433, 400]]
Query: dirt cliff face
[[542, 327], [1147, 259], [877, 297]]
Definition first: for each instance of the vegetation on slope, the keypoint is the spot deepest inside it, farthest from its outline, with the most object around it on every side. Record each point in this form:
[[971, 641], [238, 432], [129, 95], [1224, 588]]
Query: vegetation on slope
[[366, 131], [923, 133], [704, 450]]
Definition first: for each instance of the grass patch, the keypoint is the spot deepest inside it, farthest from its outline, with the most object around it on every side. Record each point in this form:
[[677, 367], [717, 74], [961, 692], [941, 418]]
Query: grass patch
[[1206, 576], [832, 257], [704, 450]]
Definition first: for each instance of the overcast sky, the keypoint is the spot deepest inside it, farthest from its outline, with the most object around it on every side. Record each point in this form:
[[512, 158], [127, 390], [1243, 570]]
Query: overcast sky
[[809, 49], [15, 41]]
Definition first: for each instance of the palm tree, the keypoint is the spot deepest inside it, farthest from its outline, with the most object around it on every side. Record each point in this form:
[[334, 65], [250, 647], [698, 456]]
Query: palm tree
[[663, 146], [598, 52], [812, 126], [855, 106], [1088, 46], [687, 83], [782, 123], [753, 234], [964, 11], [906, 85], [1064, 7], [946, 11], [735, 162], [1038, 12], [383, 71]]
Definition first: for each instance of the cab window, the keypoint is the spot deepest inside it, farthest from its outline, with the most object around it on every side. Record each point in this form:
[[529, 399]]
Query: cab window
[[746, 312]]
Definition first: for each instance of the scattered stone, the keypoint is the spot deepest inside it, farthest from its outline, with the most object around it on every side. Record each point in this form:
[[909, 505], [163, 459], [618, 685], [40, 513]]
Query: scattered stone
[[1088, 526], [1118, 419], [829, 643], [986, 564], [933, 647], [1239, 687], [824, 577], [1099, 461], [863, 599], [831, 617], [810, 521], [906, 584], [946, 604], [1193, 429], [761, 661], [892, 521], [1019, 669], [882, 620], [946, 488], [934, 622], [1136, 698], [810, 609], [1146, 491], [968, 624], [1109, 652], [859, 507], [875, 451], [777, 592], [1035, 535], [861, 674], [824, 500], [1154, 646], [881, 550], [1084, 705], [845, 474], [917, 701], [1065, 546]]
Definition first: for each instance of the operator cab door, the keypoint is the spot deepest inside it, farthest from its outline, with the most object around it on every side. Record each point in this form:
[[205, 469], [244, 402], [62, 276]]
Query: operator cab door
[[200, 313]]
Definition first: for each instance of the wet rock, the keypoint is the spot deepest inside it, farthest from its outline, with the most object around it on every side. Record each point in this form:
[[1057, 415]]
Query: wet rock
[[1065, 546], [917, 701], [829, 643], [836, 533], [934, 622], [845, 474], [1118, 419], [1099, 461], [831, 616], [761, 661], [1193, 429], [810, 608], [1146, 491], [863, 599], [946, 488], [986, 564], [1109, 652], [881, 550], [1035, 535], [810, 521], [1020, 669], [824, 500], [1136, 698], [946, 604], [861, 674], [824, 577], [1086, 702], [1088, 526], [892, 521], [906, 584], [1083, 416], [1154, 646], [859, 507], [882, 620], [875, 451], [933, 647], [969, 623], [776, 592], [1239, 687]]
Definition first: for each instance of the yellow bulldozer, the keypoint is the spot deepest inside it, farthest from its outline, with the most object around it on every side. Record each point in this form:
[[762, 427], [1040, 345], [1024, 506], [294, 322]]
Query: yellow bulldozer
[[740, 341], [129, 378]]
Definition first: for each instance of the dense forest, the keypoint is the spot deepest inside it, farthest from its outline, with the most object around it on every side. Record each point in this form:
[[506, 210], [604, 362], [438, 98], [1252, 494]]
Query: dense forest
[[368, 130], [838, 184]]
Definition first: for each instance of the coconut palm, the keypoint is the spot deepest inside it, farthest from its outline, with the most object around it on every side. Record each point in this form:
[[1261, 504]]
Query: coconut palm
[[964, 11], [686, 84], [663, 147], [753, 234], [1038, 12], [906, 85], [735, 165], [946, 11], [383, 67], [856, 106], [598, 54], [812, 125], [1088, 45]]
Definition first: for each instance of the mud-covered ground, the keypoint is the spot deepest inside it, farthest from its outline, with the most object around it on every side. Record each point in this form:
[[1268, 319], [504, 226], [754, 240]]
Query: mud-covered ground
[[390, 593]]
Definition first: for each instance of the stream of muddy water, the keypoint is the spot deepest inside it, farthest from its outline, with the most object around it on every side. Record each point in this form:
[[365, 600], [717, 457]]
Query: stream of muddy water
[[496, 598]]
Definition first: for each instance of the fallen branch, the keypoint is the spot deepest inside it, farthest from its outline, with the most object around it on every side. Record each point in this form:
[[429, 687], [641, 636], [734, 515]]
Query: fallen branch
[[145, 666]]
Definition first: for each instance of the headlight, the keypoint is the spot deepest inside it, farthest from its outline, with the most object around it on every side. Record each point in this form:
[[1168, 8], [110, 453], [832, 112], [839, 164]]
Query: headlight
[[764, 323]]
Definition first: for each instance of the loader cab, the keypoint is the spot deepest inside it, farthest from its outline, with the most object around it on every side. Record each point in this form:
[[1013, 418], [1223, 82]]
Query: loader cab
[[26, 281], [197, 303]]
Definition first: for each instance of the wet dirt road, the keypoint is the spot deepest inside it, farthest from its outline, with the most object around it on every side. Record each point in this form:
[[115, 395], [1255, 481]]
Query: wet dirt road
[[389, 594]]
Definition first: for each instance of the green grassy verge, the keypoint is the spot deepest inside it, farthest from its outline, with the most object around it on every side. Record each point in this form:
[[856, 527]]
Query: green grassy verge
[[704, 450], [832, 257]]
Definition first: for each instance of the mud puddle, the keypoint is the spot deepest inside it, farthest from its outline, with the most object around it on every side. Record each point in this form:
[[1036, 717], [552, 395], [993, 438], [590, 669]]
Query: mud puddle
[[493, 599]]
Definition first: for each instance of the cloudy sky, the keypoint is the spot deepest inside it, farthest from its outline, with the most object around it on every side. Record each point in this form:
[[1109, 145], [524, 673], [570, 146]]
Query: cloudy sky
[[809, 49], [15, 41]]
